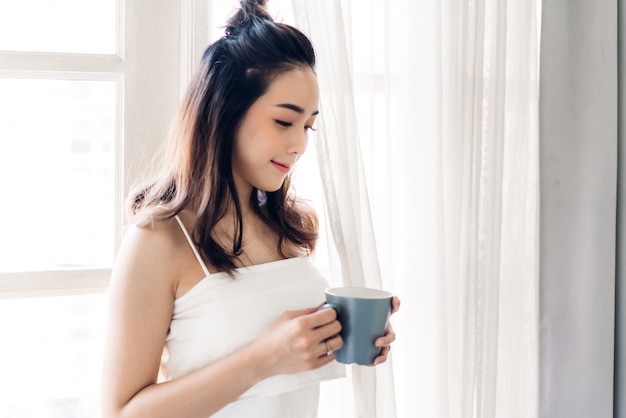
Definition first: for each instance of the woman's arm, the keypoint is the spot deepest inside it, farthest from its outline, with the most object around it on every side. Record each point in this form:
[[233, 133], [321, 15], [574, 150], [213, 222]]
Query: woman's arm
[[142, 293]]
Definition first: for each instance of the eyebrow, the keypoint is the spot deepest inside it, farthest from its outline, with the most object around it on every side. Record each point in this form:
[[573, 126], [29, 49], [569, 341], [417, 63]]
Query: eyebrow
[[296, 108]]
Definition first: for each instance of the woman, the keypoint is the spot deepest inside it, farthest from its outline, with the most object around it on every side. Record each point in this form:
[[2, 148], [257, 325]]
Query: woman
[[213, 286]]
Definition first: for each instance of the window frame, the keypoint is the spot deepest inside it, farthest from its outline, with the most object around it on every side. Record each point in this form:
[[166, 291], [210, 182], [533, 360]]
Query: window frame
[[158, 46]]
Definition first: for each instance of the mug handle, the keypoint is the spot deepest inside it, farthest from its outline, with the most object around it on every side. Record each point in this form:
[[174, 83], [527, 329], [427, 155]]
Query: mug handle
[[329, 306]]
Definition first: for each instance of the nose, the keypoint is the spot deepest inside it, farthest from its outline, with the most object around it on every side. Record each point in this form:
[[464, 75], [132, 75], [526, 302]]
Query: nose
[[298, 142]]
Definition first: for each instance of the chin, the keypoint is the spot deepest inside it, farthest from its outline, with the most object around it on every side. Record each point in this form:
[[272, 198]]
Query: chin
[[270, 185], [270, 188]]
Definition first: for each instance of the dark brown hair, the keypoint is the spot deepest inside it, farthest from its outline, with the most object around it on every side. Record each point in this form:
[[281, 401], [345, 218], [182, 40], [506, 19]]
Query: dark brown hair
[[233, 73]]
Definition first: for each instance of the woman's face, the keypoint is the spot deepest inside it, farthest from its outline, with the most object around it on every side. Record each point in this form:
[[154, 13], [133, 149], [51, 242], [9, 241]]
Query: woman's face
[[272, 135]]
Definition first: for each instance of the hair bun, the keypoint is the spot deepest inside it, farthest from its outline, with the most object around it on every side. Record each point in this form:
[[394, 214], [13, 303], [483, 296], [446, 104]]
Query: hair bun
[[249, 11]]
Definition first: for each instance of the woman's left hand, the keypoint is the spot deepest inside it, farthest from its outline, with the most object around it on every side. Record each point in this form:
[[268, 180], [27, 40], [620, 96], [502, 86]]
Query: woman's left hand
[[389, 337]]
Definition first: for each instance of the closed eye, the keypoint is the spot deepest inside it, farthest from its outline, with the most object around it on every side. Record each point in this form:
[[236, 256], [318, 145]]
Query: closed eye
[[283, 123], [310, 127]]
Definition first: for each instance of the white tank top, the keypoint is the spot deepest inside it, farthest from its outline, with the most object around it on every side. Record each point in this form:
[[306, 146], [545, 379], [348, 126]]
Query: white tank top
[[221, 315]]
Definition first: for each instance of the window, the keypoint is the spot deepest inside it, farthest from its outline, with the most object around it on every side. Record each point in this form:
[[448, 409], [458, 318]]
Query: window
[[52, 26], [58, 146], [87, 92]]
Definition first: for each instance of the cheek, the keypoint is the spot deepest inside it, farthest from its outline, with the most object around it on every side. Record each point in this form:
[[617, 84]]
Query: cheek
[[257, 140], [253, 146], [261, 143], [250, 152]]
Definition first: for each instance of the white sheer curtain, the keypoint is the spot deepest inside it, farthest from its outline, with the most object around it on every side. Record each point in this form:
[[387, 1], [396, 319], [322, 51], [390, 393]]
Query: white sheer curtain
[[490, 203], [428, 152], [342, 173]]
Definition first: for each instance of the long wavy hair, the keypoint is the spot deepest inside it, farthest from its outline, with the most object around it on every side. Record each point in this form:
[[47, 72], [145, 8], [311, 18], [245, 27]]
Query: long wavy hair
[[233, 73]]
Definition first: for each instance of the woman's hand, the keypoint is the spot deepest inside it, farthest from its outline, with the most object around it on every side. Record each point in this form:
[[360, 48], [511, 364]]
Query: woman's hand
[[389, 337], [299, 341]]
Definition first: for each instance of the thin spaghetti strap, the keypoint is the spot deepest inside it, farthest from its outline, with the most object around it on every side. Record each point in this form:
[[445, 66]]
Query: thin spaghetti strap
[[193, 247]]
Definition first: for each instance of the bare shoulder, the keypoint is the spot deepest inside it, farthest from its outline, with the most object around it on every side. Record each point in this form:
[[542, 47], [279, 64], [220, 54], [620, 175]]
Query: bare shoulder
[[149, 255]]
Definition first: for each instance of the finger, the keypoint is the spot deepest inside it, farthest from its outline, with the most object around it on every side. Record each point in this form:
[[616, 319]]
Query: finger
[[388, 338], [324, 317], [385, 341], [324, 358], [335, 343], [330, 345], [327, 332], [298, 313], [326, 348], [395, 304], [384, 354]]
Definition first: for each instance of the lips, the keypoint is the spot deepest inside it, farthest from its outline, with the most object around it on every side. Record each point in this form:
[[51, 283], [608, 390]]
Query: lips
[[283, 168]]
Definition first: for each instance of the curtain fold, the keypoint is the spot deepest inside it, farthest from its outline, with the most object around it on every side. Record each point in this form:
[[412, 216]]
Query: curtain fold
[[344, 184], [489, 165]]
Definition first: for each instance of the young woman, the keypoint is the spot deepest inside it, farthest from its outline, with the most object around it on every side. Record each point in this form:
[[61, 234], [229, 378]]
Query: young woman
[[213, 296]]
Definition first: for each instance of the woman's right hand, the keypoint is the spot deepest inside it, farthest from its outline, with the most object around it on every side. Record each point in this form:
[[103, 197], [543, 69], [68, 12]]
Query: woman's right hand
[[299, 341]]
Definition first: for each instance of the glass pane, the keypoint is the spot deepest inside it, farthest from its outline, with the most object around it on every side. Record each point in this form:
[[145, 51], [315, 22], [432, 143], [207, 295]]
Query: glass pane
[[79, 26], [52, 359], [57, 158]]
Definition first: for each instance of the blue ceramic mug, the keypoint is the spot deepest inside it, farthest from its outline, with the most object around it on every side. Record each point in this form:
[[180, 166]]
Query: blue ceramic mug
[[363, 314]]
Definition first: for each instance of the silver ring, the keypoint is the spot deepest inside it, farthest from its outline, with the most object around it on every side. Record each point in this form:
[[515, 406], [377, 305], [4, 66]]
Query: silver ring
[[329, 350]]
